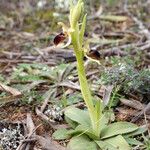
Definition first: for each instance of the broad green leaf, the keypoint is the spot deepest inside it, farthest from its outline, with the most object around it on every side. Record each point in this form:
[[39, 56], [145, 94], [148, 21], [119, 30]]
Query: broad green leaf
[[81, 143], [61, 134], [118, 142], [118, 128], [103, 121], [105, 146], [78, 115], [82, 129], [133, 141], [105, 118], [73, 132], [71, 123], [139, 131]]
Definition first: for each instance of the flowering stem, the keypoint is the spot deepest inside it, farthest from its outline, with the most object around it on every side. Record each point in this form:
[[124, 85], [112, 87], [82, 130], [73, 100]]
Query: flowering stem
[[84, 84], [76, 36]]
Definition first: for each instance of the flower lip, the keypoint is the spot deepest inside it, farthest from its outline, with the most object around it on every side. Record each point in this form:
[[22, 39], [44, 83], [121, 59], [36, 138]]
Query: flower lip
[[93, 54], [59, 38]]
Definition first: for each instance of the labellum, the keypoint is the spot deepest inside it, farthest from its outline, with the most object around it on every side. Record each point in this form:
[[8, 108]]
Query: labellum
[[59, 38], [93, 54]]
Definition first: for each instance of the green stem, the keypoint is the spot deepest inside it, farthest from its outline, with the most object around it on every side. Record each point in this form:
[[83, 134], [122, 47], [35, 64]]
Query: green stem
[[87, 95], [84, 84]]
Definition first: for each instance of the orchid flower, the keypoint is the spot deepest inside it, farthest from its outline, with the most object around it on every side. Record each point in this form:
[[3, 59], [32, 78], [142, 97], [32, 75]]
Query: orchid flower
[[59, 39]]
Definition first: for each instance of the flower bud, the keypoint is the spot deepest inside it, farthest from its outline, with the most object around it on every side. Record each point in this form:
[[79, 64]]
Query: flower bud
[[76, 13]]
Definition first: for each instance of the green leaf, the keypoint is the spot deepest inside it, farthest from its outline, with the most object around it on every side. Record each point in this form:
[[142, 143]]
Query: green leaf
[[118, 142], [71, 123], [105, 118], [82, 129], [81, 35], [105, 146], [97, 114], [81, 143], [133, 141], [118, 128], [78, 115], [139, 131], [61, 134], [114, 143]]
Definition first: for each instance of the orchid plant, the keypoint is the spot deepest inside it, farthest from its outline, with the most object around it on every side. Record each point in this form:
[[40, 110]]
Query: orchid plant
[[75, 34], [92, 123]]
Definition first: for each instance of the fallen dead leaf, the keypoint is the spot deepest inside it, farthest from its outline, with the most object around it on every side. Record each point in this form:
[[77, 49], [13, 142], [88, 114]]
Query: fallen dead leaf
[[107, 93], [9, 89], [48, 144], [132, 103]]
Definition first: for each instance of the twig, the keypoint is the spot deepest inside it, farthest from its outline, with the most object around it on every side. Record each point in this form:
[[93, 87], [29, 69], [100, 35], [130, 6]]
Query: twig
[[20, 147], [45, 118], [69, 84], [138, 115], [146, 46], [142, 27], [145, 118], [31, 130], [46, 101], [40, 53], [29, 140], [117, 50]]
